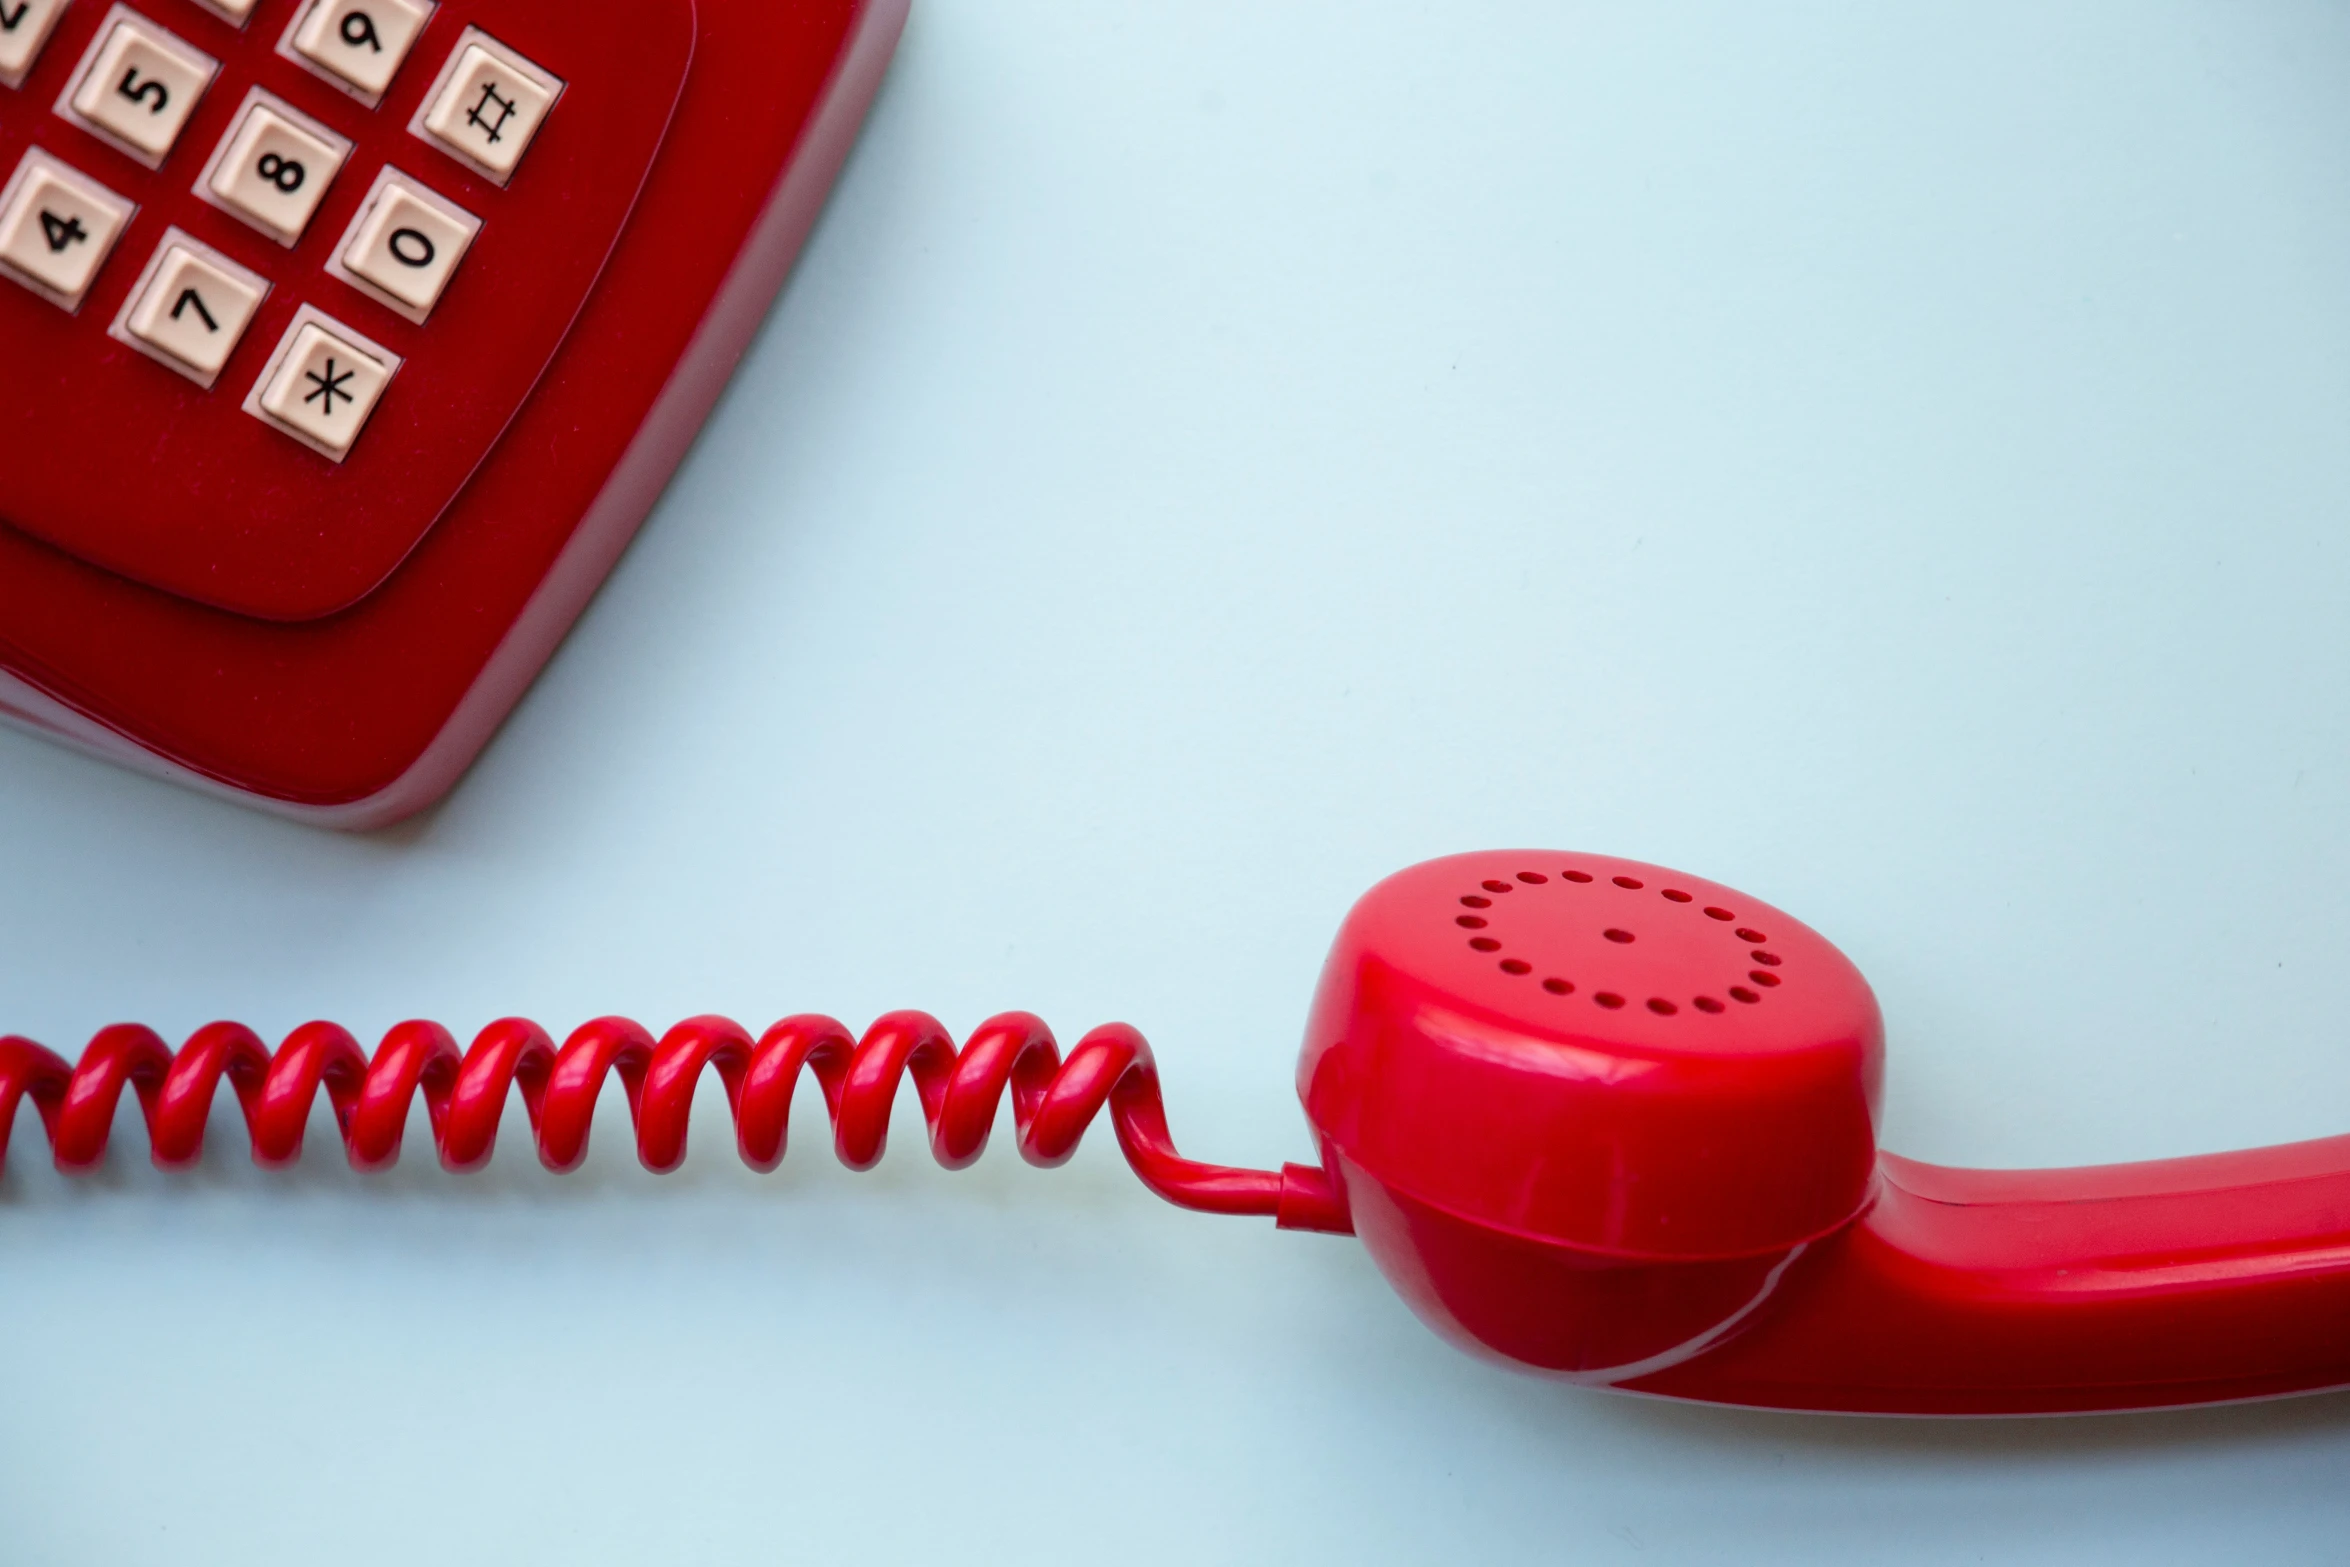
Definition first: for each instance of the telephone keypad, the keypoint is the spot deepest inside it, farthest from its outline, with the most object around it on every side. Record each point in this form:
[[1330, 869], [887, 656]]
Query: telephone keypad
[[139, 86], [57, 227], [192, 308], [274, 167], [488, 105], [25, 26], [447, 273], [360, 43]]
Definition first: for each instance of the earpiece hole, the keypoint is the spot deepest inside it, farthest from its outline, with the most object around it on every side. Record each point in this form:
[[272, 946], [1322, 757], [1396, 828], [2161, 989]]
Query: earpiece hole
[[1485, 944], [1766, 959], [1497, 886], [1741, 993], [1712, 913], [1629, 884], [1516, 966], [1575, 875], [1764, 978], [1622, 938], [1475, 902], [1676, 895], [1608, 999], [1661, 1007], [1750, 934], [1532, 878], [1559, 987], [1708, 1004], [1469, 922]]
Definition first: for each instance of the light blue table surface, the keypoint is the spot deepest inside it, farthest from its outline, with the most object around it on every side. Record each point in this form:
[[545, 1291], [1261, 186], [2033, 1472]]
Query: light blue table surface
[[1889, 458]]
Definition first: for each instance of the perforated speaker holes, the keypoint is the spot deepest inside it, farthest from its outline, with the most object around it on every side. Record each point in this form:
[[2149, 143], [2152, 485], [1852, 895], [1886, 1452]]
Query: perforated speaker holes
[[1748, 990]]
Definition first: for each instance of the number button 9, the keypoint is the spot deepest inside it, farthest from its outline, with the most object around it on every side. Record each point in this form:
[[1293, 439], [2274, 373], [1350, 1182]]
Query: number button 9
[[360, 44]]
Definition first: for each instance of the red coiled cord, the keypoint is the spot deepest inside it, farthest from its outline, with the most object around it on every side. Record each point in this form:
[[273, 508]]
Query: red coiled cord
[[1053, 1101]]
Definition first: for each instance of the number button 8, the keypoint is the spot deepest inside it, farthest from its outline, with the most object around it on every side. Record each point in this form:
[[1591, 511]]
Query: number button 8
[[274, 168]]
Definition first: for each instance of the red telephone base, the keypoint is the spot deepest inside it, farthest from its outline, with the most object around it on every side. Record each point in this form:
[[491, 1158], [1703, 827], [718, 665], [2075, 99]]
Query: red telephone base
[[370, 714]]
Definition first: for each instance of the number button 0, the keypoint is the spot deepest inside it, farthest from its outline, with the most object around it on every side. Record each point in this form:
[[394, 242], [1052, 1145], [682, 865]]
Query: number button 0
[[360, 43], [191, 309], [57, 227], [25, 26], [138, 86], [274, 167], [405, 244]]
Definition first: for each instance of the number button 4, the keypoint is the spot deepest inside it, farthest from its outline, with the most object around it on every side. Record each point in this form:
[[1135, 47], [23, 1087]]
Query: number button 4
[[273, 168], [57, 227], [25, 26], [138, 86], [191, 309]]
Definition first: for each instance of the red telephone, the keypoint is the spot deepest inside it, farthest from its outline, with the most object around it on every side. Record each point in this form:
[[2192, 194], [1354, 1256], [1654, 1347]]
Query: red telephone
[[1591, 1116], [354, 338]]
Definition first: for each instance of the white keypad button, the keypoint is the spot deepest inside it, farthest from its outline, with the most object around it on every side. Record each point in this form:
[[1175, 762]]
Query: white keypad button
[[25, 26], [323, 387], [193, 307], [490, 103], [407, 242], [140, 85], [235, 10], [57, 227], [361, 42], [274, 168]]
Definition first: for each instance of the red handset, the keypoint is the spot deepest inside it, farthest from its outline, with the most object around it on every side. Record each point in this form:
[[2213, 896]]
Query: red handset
[[349, 341], [1593, 1117]]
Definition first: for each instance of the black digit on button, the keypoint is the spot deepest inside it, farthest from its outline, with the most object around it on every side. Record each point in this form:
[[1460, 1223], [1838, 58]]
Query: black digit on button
[[152, 93], [286, 174], [411, 249], [190, 299], [359, 32], [61, 233]]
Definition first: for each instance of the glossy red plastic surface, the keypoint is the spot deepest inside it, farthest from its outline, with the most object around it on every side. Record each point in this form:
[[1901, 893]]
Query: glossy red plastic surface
[[372, 712], [1011, 1056], [1553, 1167]]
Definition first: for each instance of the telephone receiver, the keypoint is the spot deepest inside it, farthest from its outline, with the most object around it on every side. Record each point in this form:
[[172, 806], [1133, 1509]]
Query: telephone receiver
[[1595, 1118]]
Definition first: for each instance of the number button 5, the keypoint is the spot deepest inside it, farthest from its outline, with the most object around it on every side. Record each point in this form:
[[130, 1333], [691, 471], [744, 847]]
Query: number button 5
[[273, 168], [138, 86]]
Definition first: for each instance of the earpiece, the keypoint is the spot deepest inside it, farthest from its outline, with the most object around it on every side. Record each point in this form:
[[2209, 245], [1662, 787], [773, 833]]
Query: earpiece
[[1617, 1123], [1592, 1117]]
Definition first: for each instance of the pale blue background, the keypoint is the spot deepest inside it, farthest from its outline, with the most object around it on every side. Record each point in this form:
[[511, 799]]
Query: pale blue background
[[1888, 457]]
